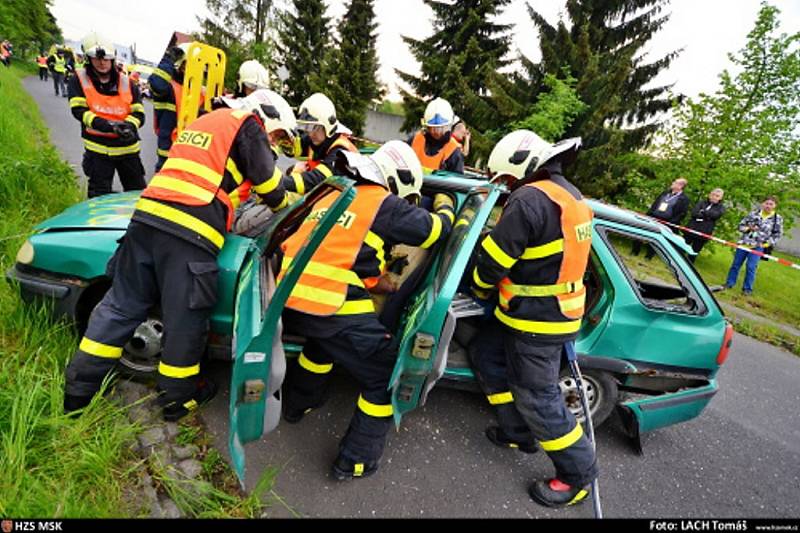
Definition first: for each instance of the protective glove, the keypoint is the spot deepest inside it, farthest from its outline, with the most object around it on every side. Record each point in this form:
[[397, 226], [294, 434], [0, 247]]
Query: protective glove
[[383, 286], [481, 294], [126, 131], [441, 200]]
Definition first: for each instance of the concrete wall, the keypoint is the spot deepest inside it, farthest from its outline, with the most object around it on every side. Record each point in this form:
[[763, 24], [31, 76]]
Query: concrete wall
[[383, 127]]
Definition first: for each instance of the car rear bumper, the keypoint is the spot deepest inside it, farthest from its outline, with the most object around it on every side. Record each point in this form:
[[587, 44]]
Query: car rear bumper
[[64, 294], [648, 414]]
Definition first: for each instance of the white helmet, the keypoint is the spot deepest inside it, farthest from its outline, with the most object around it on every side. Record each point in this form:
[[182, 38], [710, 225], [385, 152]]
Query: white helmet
[[273, 110], [520, 153], [252, 75], [400, 167], [95, 45], [439, 113], [181, 60], [394, 166], [318, 109]]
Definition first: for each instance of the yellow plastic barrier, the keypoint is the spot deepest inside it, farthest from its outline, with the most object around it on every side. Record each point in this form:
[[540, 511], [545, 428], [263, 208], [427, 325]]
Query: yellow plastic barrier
[[205, 69]]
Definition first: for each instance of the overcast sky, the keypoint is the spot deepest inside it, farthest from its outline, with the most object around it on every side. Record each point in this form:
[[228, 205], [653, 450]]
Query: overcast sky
[[706, 29]]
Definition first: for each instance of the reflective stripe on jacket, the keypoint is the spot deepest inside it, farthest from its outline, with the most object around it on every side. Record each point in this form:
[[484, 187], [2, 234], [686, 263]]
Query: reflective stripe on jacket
[[197, 161], [110, 107], [568, 289], [433, 162], [322, 287]]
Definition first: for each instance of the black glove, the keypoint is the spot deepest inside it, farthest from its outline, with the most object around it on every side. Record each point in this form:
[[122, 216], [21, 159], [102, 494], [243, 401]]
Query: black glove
[[126, 131]]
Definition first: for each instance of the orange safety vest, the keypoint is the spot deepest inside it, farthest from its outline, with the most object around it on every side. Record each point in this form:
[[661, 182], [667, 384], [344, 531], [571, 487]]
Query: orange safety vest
[[576, 227], [196, 163], [110, 107], [433, 162], [42, 60], [343, 142], [322, 287]]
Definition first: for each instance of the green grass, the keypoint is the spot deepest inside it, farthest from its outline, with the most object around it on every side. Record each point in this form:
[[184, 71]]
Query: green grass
[[51, 465], [768, 333], [775, 295]]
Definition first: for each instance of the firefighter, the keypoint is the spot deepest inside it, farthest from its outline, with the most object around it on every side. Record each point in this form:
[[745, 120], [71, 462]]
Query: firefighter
[[252, 77], [324, 138], [535, 257], [436, 147], [57, 64], [109, 108], [166, 87], [169, 254], [41, 60], [331, 304]]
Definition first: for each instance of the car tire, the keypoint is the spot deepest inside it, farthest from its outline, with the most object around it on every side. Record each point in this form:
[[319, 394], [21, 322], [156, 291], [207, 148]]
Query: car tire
[[602, 394]]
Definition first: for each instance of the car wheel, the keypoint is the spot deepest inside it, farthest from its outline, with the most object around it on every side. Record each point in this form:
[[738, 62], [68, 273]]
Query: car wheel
[[140, 357], [601, 394]]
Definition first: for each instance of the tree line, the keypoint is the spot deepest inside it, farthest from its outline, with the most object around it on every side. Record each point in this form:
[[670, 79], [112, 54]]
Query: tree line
[[594, 80], [29, 25]]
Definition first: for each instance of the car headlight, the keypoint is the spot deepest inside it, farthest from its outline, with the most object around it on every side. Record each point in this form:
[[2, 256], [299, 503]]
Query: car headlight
[[25, 253]]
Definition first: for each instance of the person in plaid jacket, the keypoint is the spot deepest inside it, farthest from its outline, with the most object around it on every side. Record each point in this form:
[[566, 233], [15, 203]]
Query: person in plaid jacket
[[760, 229]]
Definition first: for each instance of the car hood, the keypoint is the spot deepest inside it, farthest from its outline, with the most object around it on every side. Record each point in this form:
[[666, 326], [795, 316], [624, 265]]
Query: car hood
[[109, 212]]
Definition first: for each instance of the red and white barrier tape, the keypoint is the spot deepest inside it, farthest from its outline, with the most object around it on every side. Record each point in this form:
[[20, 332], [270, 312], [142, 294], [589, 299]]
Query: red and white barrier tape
[[780, 260]]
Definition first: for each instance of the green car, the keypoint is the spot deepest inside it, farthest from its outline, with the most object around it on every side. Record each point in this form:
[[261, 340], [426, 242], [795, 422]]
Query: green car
[[651, 343]]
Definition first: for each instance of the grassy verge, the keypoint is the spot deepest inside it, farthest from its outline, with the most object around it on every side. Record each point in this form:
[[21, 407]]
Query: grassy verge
[[768, 333], [53, 466], [776, 286]]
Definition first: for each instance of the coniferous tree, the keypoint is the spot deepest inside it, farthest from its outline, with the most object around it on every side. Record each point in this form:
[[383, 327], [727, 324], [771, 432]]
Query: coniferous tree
[[349, 75], [465, 50], [304, 38], [602, 49], [243, 30]]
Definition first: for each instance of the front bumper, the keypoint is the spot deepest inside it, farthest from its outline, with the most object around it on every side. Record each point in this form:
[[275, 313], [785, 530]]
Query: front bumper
[[38, 286]]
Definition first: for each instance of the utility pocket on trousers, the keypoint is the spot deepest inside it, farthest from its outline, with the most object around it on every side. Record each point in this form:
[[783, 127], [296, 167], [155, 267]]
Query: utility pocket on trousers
[[204, 284]]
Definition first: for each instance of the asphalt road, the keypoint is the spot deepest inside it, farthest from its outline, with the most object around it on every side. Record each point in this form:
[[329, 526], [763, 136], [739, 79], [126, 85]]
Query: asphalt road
[[65, 130], [739, 459]]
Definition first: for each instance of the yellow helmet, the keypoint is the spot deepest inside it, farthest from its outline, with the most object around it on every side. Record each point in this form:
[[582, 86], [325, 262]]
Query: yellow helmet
[[96, 45]]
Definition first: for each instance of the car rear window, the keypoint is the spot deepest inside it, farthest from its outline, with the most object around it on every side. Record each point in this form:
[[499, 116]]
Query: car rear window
[[658, 281]]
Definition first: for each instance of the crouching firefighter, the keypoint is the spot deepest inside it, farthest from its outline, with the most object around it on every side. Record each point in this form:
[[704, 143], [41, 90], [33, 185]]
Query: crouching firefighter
[[169, 254], [331, 304], [535, 257]]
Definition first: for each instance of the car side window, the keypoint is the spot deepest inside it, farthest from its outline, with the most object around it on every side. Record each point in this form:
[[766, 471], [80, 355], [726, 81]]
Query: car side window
[[653, 275], [459, 232]]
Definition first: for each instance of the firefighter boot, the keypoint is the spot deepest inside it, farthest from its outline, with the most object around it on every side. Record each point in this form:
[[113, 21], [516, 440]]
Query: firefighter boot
[[555, 493], [344, 469], [499, 438], [74, 403], [175, 410]]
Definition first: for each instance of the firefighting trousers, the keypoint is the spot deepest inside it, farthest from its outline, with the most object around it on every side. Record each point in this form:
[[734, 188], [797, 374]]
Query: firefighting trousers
[[368, 352], [488, 356], [151, 269], [100, 170], [532, 372]]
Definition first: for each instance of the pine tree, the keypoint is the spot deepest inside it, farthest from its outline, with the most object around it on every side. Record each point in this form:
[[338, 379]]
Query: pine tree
[[465, 50], [243, 30], [348, 76], [603, 50], [305, 38]]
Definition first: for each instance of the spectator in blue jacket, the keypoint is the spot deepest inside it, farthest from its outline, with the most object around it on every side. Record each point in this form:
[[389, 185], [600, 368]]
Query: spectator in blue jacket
[[760, 229]]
